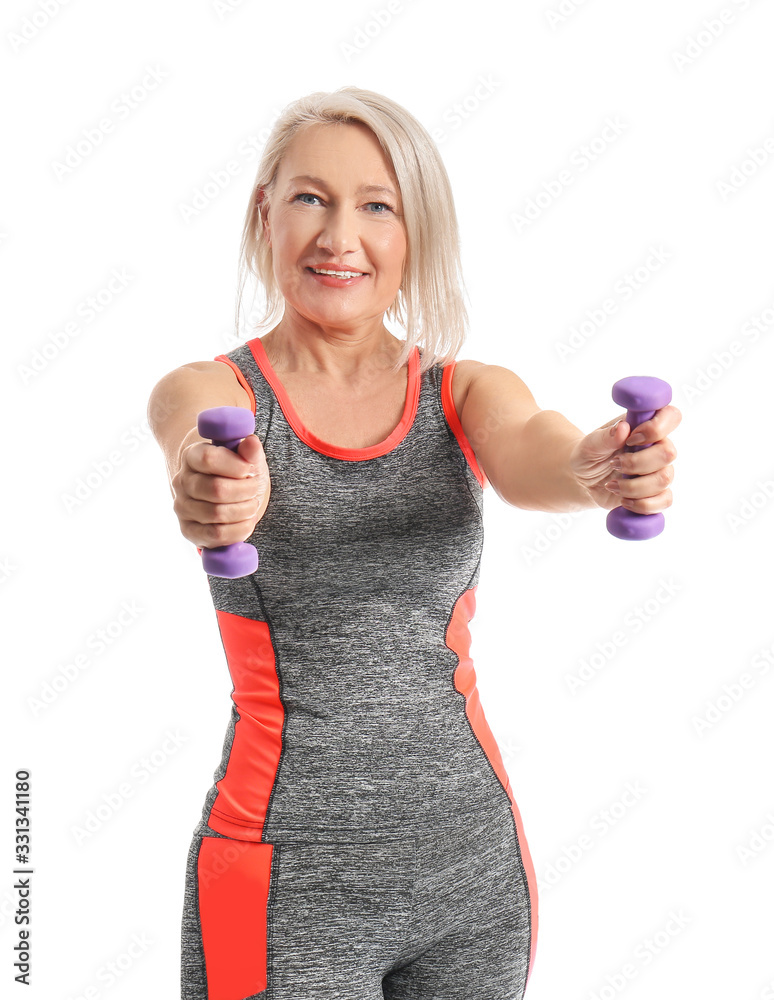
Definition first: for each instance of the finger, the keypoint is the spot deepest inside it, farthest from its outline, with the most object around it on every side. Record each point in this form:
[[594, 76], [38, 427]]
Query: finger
[[640, 463], [649, 505], [224, 489], [216, 460], [213, 535], [661, 424], [251, 450], [221, 513], [614, 420], [642, 487], [600, 444]]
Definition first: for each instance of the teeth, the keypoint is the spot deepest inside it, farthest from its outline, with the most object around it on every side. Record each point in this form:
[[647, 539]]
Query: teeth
[[338, 274]]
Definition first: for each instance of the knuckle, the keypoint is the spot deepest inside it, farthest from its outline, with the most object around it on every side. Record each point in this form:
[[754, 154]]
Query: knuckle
[[218, 489], [220, 513], [208, 457], [216, 535]]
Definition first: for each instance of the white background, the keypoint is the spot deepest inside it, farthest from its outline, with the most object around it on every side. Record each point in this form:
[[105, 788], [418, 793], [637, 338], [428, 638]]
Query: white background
[[694, 98]]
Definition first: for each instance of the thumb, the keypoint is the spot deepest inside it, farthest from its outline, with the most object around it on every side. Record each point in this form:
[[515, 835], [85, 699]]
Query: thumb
[[608, 438], [251, 450]]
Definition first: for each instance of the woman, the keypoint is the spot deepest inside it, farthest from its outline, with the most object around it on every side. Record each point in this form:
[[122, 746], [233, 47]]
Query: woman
[[361, 839]]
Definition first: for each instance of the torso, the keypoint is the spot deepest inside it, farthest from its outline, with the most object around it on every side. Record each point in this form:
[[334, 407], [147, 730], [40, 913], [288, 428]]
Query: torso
[[358, 417]]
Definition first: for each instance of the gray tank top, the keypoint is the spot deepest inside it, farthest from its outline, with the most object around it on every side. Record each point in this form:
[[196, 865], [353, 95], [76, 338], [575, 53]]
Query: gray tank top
[[354, 701]]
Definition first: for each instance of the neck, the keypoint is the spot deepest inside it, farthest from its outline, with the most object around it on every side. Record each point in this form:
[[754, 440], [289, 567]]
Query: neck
[[306, 348]]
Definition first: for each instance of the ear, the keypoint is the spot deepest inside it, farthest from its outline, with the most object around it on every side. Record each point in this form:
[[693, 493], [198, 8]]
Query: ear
[[262, 204]]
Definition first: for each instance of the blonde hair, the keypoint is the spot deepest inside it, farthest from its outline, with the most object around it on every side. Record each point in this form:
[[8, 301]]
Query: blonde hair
[[429, 304]]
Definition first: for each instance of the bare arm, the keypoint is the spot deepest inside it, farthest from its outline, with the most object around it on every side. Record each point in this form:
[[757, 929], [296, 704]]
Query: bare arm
[[219, 495], [538, 460], [523, 450], [179, 397], [540, 474]]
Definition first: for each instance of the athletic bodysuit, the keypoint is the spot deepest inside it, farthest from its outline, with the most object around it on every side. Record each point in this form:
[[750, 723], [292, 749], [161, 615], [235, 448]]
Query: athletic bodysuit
[[360, 839]]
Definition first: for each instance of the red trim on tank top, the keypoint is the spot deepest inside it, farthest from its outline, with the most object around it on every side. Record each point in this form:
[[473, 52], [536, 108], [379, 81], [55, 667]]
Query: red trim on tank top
[[454, 422], [242, 380], [324, 447]]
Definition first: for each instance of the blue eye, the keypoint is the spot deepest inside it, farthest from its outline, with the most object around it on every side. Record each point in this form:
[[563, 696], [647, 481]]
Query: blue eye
[[308, 194]]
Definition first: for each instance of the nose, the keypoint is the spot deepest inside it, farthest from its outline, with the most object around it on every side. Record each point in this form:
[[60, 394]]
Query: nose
[[340, 232]]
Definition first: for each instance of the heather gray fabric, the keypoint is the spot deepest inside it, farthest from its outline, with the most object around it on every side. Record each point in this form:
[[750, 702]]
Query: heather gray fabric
[[441, 916], [397, 857]]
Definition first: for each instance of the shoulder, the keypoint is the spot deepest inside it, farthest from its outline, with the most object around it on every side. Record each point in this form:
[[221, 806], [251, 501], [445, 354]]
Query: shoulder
[[223, 377], [486, 383], [494, 395], [495, 406], [462, 378], [200, 381], [491, 403]]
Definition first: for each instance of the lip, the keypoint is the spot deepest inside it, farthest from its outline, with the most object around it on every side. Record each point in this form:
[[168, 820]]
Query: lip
[[331, 280], [337, 267]]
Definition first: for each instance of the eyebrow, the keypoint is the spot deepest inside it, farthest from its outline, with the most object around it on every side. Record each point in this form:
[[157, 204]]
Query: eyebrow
[[363, 187]]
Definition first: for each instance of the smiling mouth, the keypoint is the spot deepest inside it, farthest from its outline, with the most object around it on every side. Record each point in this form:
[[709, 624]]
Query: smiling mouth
[[336, 274]]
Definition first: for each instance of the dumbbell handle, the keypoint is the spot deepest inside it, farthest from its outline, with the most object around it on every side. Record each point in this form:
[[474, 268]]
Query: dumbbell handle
[[226, 426], [642, 395]]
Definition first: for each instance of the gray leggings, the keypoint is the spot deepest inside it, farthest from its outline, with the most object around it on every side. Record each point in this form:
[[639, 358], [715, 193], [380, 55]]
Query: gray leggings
[[445, 915]]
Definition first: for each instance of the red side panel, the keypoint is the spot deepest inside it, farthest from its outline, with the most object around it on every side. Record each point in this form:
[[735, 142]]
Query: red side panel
[[458, 640], [233, 899], [243, 792]]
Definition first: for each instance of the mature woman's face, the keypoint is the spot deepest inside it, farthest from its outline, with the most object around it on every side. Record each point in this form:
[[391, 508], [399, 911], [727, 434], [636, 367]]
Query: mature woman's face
[[336, 201]]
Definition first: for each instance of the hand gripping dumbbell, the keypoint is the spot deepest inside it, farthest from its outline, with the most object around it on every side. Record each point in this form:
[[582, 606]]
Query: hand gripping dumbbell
[[642, 395], [227, 426]]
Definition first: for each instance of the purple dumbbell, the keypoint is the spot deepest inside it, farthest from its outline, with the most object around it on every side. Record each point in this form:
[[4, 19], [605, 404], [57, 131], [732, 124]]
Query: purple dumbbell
[[642, 395], [227, 426]]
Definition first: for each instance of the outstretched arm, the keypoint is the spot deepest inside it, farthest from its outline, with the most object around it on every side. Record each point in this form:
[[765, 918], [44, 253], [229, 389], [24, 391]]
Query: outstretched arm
[[537, 460]]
